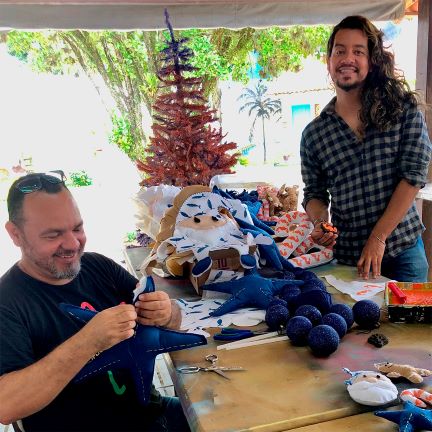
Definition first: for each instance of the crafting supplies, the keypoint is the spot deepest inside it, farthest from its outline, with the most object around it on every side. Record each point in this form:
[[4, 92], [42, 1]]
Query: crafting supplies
[[416, 307], [233, 334], [254, 340], [213, 358]]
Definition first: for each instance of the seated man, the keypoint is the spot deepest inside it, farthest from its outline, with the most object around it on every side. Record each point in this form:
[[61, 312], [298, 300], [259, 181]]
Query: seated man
[[42, 348]]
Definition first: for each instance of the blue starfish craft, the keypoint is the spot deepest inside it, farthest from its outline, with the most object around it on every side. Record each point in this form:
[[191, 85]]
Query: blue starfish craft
[[410, 419], [250, 290], [136, 353]]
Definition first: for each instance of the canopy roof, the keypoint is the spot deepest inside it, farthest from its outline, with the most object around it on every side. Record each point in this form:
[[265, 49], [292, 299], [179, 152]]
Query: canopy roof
[[149, 14]]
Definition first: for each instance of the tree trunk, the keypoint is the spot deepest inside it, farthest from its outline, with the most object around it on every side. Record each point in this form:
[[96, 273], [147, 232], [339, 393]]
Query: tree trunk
[[264, 140]]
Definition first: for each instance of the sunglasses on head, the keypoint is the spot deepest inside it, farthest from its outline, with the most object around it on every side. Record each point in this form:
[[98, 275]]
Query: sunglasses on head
[[33, 182]]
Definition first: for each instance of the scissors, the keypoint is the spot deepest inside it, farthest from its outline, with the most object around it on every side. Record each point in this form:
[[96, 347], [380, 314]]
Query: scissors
[[213, 368], [232, 334]]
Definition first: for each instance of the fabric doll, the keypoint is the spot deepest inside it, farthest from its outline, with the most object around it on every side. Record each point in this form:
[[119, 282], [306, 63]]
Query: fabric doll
[[200, 222], [370, 388]]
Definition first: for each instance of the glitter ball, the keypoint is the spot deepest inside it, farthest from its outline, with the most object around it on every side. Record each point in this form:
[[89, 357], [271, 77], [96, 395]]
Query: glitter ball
[[276, 316], [310, 312], [366, 314], [298, 329], [323, 340], [344, 311], [337, 322]]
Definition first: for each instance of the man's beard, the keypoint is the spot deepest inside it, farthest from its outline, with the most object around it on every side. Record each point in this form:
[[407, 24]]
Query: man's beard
[[348, 87], [49, 266], [70, 272]]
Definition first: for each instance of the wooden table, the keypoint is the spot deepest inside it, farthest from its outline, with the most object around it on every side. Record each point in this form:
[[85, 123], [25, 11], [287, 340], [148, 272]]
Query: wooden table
[[287, 388]]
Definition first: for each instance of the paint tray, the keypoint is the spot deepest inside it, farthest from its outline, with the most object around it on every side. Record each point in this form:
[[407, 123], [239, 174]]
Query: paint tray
[[418, 304]]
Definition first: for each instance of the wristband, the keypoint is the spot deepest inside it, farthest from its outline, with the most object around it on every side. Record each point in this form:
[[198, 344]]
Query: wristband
[[381, 241]]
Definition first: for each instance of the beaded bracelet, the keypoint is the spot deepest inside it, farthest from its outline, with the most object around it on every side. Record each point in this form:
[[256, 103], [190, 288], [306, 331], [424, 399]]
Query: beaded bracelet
[[380, 240]]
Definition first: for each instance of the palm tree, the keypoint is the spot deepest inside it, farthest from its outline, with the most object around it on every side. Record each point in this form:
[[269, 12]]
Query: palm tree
[[261, 106]]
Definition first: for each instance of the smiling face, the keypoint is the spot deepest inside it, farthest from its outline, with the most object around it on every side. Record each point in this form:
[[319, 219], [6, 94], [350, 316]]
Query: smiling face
[[348, 63], [51, 237]]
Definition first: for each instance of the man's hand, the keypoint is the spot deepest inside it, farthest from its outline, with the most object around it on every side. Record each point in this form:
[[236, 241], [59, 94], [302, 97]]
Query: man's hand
[[110, 326], [371, 258], [154, 308], [323, 238]]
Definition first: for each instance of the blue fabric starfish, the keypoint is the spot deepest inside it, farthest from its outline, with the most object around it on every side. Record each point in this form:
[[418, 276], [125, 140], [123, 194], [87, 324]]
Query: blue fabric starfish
[[136, 353], [250, 290], [410, 419]]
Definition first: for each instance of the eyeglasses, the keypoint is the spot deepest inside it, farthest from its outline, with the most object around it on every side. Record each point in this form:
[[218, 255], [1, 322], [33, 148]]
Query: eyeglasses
[[33, 182]]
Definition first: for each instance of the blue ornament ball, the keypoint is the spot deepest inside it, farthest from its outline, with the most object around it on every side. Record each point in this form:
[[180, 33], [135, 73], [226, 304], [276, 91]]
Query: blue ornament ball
[[344, 311], [298, 329], [310, 312], [276, 301], [337, 322], [276, 316], [320, 299], [312, 284], [323, 340], [289, 293], [366, 314]]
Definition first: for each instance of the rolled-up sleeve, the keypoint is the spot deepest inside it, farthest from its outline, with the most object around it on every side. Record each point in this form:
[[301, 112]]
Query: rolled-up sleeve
[[311, 171], [415, 149]]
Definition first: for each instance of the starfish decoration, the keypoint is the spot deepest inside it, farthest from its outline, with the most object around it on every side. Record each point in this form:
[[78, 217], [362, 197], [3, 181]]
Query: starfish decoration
[[410, 419], [136, 353], [250, 290]]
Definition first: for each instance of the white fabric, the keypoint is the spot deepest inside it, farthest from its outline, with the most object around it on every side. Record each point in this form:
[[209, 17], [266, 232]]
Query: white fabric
[[151, 204], [379, 392], [196, 318], [146, 14]]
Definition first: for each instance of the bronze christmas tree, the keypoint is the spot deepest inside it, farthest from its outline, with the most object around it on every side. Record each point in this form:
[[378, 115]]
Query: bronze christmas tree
[[185, 149]]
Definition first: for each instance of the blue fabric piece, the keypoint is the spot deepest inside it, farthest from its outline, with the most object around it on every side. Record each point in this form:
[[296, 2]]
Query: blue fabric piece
[[410, 419], [271, 252], [269, 223], [260, 224], [250, 290], [221, 193], [201, 266], [248, 261], [136, 353], [253, 207]]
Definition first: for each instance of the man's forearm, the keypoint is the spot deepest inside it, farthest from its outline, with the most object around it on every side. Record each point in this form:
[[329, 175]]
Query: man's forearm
[[317, 210], [26, 391], [401, 200]]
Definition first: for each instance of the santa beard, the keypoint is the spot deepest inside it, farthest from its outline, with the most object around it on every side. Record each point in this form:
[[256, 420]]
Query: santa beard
[[222, 235], [376, 393]]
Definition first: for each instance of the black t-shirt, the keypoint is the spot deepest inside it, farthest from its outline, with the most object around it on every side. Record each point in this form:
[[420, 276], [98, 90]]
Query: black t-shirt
[[32, 325]]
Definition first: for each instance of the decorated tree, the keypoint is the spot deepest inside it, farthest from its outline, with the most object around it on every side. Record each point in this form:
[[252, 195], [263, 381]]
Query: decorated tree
[[185, 149]]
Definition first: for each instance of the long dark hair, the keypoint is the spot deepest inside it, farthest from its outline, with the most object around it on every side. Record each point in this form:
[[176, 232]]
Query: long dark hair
[[385, 92]]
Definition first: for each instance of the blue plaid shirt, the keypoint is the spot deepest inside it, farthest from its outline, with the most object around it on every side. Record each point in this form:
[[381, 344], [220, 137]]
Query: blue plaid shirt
[[360, 176]]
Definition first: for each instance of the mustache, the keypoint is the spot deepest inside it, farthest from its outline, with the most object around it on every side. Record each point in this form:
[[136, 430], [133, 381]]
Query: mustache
[[344, 65], [68, 251]]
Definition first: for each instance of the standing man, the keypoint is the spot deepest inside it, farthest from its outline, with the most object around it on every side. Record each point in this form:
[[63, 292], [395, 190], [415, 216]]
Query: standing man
[[42, 348], [365, 157]]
